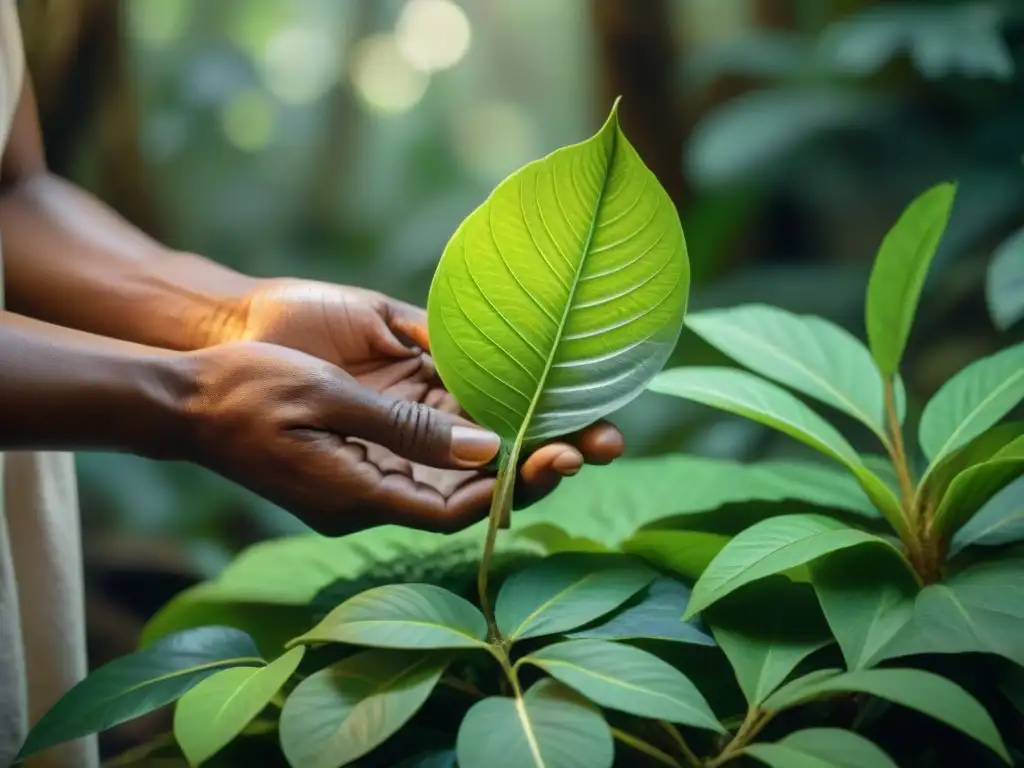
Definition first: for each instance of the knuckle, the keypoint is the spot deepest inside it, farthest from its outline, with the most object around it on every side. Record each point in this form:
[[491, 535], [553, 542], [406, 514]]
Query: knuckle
[[412, 423]]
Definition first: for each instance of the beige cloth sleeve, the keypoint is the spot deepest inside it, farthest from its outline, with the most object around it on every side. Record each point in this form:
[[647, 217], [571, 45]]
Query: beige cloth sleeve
[[42, 617]]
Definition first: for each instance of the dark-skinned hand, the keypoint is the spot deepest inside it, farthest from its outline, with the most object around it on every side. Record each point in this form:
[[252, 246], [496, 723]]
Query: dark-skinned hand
[[365, 434]]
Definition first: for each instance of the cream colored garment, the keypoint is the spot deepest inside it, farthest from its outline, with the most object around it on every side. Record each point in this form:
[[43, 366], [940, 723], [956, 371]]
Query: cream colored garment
[[42, 617]]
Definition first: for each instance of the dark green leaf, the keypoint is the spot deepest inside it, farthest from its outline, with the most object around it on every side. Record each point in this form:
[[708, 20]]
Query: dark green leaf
[[773, 546], [685, 552], [901, 266], [655, 617], [821, 748], [627, 679], [974, 400], [979, 450], [809, 354], [764, 647], [217, 710], [402, 616], [923, 691], [551, 727], [565, 591], [341, 713], [867, 596], [1005, 284], [141, 682], [973, 488], [1000, 521]]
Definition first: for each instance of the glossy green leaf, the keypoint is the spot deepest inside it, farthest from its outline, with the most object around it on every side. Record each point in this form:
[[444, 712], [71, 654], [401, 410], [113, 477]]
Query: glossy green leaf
[[975, 399], [867, 596], [552, 726], [978, 610], [133, 685], [773, 546], [566, 591], [898, 275], [983, 448], [747, 395], [211, 715], [560, 296], [765, 646], [821, 748], [916, 689], [402, 616], [971, 490], [687, 553], [1004, 286], [627, 679], [344, 711], [654, 617], [999, 522], [809, 354]]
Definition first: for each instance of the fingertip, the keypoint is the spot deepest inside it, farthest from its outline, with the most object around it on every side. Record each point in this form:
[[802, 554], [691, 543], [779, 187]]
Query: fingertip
[[602, 443]]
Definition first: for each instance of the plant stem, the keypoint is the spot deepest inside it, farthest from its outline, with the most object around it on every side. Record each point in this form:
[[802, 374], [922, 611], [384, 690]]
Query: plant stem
[[141, 752], [680, 742], [648, 749], [899, 454], [755, 720], [461, 685], [501, 504]]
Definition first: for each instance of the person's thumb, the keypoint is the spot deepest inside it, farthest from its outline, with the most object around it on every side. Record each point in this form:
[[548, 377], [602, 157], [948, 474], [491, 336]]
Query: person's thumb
[[418, 432]]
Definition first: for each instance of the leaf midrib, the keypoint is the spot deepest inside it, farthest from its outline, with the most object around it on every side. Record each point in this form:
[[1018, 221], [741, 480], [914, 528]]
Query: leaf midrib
[[445, 627], [941, 453], [560, 595]]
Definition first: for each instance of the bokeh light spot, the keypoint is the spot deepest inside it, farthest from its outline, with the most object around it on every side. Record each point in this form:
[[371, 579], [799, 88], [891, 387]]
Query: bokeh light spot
[[493, 139], [432, 34], [248, 120], [158, 22], [383, 79], [300, 64]]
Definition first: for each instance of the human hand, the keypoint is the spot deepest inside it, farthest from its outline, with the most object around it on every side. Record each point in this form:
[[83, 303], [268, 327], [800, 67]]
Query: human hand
[[338, 454], [382, 343]]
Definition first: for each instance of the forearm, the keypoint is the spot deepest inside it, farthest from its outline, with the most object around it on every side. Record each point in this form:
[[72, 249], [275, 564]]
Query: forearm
[[66, 390], [71, 261]]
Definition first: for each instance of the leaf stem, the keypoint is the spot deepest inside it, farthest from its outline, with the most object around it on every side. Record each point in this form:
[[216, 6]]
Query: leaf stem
[[899, 454], [752, 724], [461, 685], [648, 749], [501, 505], [141, 752], [680, 742]]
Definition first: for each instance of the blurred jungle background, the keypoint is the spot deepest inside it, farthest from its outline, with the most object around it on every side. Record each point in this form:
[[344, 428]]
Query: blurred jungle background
[[345, 140]]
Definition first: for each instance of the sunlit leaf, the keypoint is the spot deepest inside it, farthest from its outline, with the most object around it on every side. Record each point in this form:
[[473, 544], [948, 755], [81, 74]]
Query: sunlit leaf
[[975, 399], [402, 616], [552, 726], [627, 679], [133, 685], [217, 710], [565, 591], [809, 354], [773, 546], [867, 596], [926, 692], [560, 296], [821, 748], [344, 711], [901, 266], [1004, 287], [654, 617]]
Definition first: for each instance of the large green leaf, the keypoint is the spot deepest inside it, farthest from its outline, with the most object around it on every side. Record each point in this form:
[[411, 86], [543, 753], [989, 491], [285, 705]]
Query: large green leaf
[[141, 682], [1004, 286], [627, 679], [821, 748], [754, 398], [217, 710], [972, 489], [552, 726], [688, 553], [566, 591], [898, 275], [344, 711], [984, 447], [560, 296], [765, 646], [867, 596], [926, 692], [808, 353], [773, 546], [402, 616], [973, 400], [979, 610], [654, 617], [1000, 521]]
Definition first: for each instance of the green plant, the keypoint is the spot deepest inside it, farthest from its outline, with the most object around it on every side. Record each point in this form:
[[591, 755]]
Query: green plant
[[675, 611]]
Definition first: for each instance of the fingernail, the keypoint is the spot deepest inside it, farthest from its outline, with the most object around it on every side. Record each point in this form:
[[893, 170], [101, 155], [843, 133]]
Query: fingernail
[[567, 464], [474, 446]]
